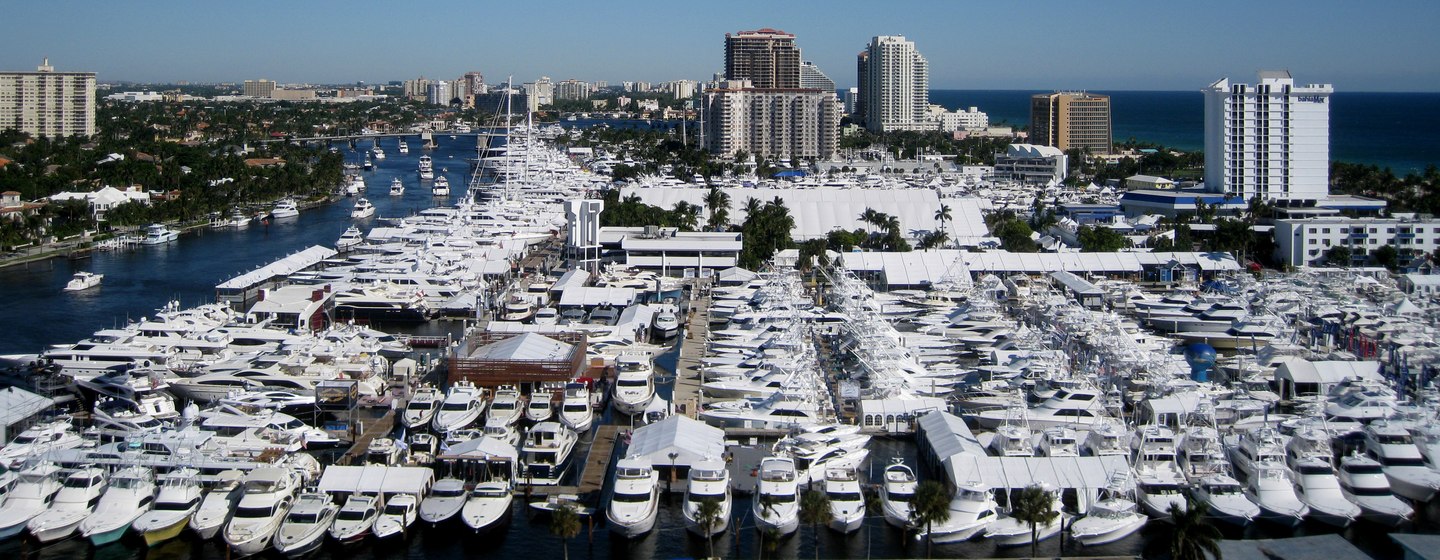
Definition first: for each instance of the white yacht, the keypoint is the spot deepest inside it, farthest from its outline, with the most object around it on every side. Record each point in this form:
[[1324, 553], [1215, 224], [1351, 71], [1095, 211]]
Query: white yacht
[[972, 511], [545, 455], [1110, 519], [32, 494], [461, 407], [1070, 408], [157, 234], [38, 439], [285, 208], [397, 187], [709, 481], [363, 209], [1391, 445], [420, 411], [666, 324], [897, 494], [847, 505], [178, 499], [378, 151], [426, 168], [1308, 454], [575, 411], [354, 185], [399, 514], [441, 186], [356, 518], [351, 238], [1158, 478], [218, 505], [634, 383], [541, 407], [506, 408], [404, 148], [75, 501], [131, 494], [303, 530], [267, 495], [1008, 531], [1226, 498], [489, 503], [776, 506], [518, 308], [1363, 481], [635, 499], [83, 281], [445, 501]]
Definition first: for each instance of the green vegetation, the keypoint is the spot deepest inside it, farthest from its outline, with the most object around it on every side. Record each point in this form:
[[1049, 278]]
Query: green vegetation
[[932, 505], [1013, 232], [1101, 240], [1415, 192], [565, 523], [973, 150], [815, 510], [658, 149], [707, 517], [1338, 255], [766, 231], [1193, 536], [1035, 507]]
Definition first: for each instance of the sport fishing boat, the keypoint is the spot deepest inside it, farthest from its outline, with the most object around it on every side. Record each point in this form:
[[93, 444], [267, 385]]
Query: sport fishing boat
[[75, 501], [131, 494], [179, 498], [34, 490]]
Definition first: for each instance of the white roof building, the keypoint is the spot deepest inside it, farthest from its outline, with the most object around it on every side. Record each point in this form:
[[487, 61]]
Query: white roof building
[[106, 198], [688, 439], [18, 405], [922, 268]]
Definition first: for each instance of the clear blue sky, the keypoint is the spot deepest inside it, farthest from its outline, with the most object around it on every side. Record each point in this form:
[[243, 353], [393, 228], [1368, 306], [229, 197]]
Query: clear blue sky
[[1358, 46]]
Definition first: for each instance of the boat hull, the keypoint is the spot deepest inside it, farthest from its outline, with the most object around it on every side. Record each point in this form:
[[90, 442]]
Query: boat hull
[[1110, 533], [159, 535], [107, 537]]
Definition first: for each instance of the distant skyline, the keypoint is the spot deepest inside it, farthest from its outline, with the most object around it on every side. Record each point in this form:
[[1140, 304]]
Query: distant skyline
[[1046, 45]]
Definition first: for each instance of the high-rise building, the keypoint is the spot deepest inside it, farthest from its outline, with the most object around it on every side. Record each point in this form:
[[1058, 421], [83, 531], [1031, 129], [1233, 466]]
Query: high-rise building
[[812, 78], [681, 89], [852, 100], [440, 93], [472, 83], [417, 89], [767, 57], [574, 90], [1270, 140], [258, 88], [539, 92], [1071, 120], [772, 123], [894, 85], [46, 103]]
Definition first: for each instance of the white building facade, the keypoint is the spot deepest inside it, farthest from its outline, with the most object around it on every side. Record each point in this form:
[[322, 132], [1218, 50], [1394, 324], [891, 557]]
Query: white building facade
[[772, 123], [1306, 242], [962, 119], [1270, 140], [894, 85], [48, 104]]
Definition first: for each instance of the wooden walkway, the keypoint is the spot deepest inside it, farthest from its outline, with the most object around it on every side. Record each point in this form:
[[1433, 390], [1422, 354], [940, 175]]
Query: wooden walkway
[[597, 462], [692, 348], [370, 429]]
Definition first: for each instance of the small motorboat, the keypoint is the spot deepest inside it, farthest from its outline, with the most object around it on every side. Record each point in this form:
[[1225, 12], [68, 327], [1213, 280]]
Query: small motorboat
[[83, 281]]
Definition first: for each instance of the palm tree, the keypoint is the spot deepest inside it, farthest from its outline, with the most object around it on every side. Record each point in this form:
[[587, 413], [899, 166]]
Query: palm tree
[[707, 516], [718, 203], [1035, 506], [931, 506], [814, 510], [565, 523], [752, 207], [1194, 536], [868, 216], [943, 215]]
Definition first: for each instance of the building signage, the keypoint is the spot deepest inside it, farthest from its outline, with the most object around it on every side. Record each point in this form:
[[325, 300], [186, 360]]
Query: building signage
[[1310, 98]]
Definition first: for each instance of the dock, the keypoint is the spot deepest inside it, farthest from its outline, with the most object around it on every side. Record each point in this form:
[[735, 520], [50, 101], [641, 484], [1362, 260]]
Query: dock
[[597, 462], [692, 349], [369, 430]]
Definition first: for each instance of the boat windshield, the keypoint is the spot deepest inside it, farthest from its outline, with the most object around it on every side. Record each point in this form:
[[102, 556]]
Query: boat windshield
[[353, 514], [455, 406], [632, 382], [448, 492], [396, 509], [844, 496], [781, 498], [625, 497], [303, 518], [253, 512]]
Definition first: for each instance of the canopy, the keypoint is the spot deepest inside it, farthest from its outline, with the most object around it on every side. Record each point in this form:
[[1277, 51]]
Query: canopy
[[690, 440], [1300, 370], [1091, 473], [376, 479], [481, 448]]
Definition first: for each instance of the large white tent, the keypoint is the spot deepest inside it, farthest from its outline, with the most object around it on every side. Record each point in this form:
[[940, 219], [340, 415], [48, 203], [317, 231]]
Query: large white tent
[[689, 440]]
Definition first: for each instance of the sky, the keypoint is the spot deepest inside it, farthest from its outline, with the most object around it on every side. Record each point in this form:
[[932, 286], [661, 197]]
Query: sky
[[1044, 45]]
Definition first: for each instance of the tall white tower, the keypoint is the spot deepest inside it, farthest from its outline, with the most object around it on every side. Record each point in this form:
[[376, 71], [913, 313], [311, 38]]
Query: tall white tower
[[894, 85], [1270, 140]]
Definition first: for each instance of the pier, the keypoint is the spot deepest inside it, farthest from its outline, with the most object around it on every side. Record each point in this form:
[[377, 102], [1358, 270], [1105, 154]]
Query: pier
[[597, 462], [692, 349]]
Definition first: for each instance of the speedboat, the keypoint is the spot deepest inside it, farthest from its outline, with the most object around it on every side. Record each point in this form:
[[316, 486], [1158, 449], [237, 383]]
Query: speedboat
[[422, 406], [303, 530], [1008, 531], [776, 506], [666, 324], [709, 481], [131, 494], [540, 408], [445, 501], [897, 494], [575, 411], [847, 505], [634, 383], [488, 504], [75, 501], [157, 234], [363, 209], [545, 456], [972, 511], [1363, 481], [267, 495], [1226, 499], [355, 519], [506, 408], [350, 238], [218, 504], [34, 490], [461, 407], [83, 281], [635, 499], [1112, 518], [397, 187], [397, 517], [179, 498], [285, 208]]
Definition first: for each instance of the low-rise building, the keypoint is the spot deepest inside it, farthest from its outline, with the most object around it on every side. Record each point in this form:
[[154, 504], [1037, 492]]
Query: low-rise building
[[669, 250], [960, 119], [1307, 242], [1032, 164], [1141, 182], [103, 200], [1173, 203], [1421, 284]]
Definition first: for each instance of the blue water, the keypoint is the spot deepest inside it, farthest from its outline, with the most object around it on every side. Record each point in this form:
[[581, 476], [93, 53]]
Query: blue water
[[1395, 130]]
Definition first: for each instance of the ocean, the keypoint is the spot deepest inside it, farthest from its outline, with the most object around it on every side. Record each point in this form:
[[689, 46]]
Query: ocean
[[1395, 130]]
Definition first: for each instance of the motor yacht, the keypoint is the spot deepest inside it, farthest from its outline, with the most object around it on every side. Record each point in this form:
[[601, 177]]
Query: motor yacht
[[575, 411], [540, 407], [178, 499], [426, 168], [972, 511], [285, 208], [303, 530], [634, 383], [38, 439], [130, 495], [1110, 519], [518, 308], [399, 514], [445, 501], [1069, 408], [1363, 482], [1158, 478], [403, 148], [218, 505], [397, 187], [776, 506], [666, 325], [489, 503], [506, 408], [462, 407], [356, 518], [288, 402], [441, 186], [1007, 531], [1226, 498], [635, 498], [363, 209], [709, 480], [1106, 438], [378, 151], [351, 238], [1259, 446], [83, 281], [546, 316], [420, 411], [385, 451], [1308, 455], [897, 494], [1391, 445], [266, 496], [157, 234], [354, 185], [545, 455], [34, 490], [73, 503], [847, 504]]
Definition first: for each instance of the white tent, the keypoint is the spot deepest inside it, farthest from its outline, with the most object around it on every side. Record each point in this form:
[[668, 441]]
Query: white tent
[[689, 440], [18, 405], [527, 347], [376, 479], [1085, 473], [1298, 376]]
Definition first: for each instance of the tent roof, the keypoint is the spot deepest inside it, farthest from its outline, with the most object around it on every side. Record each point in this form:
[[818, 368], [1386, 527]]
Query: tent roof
[[374, 479], [691, 440], [1020, 472], [18, 404], [948, 436], [524, 347], [592, 296], [1300, 370], [486, 448], [575, 278]]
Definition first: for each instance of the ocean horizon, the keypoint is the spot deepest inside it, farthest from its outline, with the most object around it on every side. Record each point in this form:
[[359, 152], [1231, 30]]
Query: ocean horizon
[[1387, 129]]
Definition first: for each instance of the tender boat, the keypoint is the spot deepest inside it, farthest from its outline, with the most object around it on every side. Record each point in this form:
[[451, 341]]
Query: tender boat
[[489, 503], [218, 504], [461, 407], [32, 494], [397, 517], [422, 406], [897, 494], [709, 481], [847, 504], [635, 499], [575, 411], [131, 494], [267, 495], [179, 498], [304, 528], [75, 501], [445, 501], [776, 506], [634, 383], [363, 209], [356, 518], [83, 281]]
